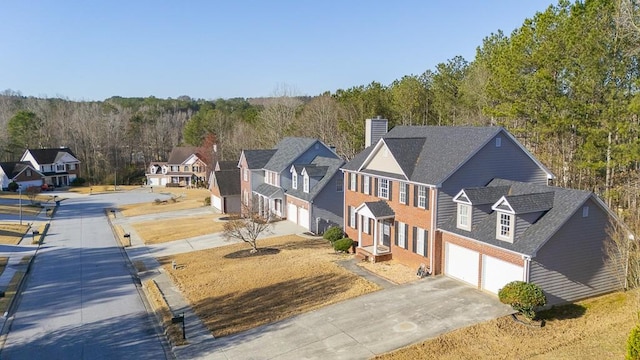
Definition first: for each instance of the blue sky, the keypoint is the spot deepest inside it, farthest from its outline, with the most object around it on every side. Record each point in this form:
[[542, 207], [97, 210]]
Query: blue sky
[[91, 50]]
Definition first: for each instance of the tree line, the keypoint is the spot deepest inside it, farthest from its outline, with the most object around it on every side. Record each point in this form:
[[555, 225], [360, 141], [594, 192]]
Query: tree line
[[565, 84]]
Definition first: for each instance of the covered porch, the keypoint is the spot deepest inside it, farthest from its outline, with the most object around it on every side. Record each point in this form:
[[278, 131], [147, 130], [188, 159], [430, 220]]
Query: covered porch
[[375, 218], [269, 200]]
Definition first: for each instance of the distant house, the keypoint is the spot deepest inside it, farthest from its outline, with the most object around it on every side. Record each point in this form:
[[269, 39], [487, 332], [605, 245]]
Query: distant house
[[224, 184], [22, 173], [58, 165], [473, 204], [185, 167], [300, 180]]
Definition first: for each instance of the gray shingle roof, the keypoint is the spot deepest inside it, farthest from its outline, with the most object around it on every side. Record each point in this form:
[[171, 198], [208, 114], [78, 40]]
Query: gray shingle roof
[[49, 155], [257, 159], [228, 181], [227, 165], [443, 150], [180, 154], [380, 208], [315, 171], [528, 203], [13, 168], [565, 203], [485, 195], [332, 167], [287, 151], [269, 191]]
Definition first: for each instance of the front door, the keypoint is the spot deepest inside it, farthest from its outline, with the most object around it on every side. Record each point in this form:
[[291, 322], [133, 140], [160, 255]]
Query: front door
[[386, 237]]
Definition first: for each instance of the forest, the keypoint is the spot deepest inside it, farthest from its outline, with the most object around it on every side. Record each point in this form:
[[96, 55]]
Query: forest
[[565, 84]]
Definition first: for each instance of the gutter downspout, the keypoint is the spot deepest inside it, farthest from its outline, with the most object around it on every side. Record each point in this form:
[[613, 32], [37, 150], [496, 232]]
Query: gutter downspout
[[527, 265], [433, 229]]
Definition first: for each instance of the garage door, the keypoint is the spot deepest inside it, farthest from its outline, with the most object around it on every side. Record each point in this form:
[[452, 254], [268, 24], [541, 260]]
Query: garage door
[[27, 184], [303, 218], [154, 181], [497, 273], [461, 263], [216, 202], [163, 181], [292, 213]]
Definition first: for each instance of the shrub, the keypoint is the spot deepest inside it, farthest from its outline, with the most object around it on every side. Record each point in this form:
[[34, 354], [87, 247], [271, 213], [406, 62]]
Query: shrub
[[78, 181], [334, 233], [13, 186], [207, 201], [633, 344], [342, 245], [523, 297]]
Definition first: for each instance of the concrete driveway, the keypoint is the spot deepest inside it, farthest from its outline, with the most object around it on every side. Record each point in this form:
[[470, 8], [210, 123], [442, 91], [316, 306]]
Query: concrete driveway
[[362, 327]]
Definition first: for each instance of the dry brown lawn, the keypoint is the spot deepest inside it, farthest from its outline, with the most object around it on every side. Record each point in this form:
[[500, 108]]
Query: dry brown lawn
[[160, 231], [592, 329], [391, 270], [185, 199], [27, 209], [11, 234], [291, 275], [160, 307]]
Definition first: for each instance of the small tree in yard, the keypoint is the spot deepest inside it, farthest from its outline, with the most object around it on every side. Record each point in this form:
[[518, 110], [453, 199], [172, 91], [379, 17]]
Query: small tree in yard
[[523, 297], [250, 225], [633, 344], [32, 192], [334, 233]]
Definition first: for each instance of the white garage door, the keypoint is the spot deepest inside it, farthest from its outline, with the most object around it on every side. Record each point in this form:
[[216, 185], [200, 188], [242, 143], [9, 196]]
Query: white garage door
[[303, 218], [163, 181], [154, 181], [27, 184], [216, 202], [292, 213], [497, 273], [461, 263]]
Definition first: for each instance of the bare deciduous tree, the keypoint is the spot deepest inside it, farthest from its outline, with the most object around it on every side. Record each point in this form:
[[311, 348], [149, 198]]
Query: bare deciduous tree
[[254, 221]]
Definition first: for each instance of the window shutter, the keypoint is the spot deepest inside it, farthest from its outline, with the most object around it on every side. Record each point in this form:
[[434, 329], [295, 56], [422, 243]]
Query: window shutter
[[375, 187], [426, 196], [395, 240], [415, 239], [415, 195], [362, 184], [406, 236], [390, 188], [349, 180], [356, 189], [349, 215], [426, 243]]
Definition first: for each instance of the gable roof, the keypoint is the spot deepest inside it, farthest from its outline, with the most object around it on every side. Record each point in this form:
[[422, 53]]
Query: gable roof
[[319, 166], [430, 154], [257, 159], [528, 203], [376, 209], [181, 154], [13, 168], [227, 165], [228, 181], [49, 155], [483, 195], [565, 203], [287, 151]]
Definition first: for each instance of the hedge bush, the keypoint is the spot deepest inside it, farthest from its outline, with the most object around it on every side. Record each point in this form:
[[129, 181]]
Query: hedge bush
[[207, 201], [333, 234], [633, 344], [342, 245], [78, 181], [523, 297], [13, 186]]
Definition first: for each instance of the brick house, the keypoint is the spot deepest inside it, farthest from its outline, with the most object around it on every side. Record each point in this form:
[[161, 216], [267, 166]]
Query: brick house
[[20, 172], [185, 167], [403, 190], [58, 165]]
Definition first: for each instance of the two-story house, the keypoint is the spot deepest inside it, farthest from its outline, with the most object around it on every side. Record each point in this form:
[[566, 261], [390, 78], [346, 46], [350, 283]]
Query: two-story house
[[403, 190], [21, 172], [185, 167], [300, 179], [58, 165]]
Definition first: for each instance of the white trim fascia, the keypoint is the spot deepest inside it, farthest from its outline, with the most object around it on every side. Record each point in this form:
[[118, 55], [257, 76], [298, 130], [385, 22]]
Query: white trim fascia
[[482, 243], [462, 192], [503, 199], [375, 151]]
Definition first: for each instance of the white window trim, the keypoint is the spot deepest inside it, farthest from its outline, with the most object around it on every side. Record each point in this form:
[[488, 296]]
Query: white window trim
[[421, 250], [510, 226], [403, 193], [402, 236], [365, 224], [365, 186], [383, 194], [305, 183], [461, 216], [352, 217], [422, 197], [245, 174], [353, 182], [294, 180]]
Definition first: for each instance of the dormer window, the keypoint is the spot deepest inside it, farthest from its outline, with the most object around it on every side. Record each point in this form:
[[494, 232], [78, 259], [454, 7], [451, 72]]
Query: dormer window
[[464, 217], [504, 227], [294, 180], [305, 183]]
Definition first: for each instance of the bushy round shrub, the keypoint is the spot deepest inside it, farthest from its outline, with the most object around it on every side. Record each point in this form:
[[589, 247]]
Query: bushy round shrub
[[633, 344], [342, 245], [13, 186], [334, 233], [207, 201], [78, 181], [523, 297]]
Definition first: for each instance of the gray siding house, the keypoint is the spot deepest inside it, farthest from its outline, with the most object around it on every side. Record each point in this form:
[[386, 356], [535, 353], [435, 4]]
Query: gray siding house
[[296, 180]]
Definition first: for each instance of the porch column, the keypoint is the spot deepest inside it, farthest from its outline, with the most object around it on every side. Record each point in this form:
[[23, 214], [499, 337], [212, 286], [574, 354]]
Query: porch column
[[375, 237], [359, 230]]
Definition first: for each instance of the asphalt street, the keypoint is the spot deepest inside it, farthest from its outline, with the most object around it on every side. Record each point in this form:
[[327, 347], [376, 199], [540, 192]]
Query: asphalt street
[[80, 301]]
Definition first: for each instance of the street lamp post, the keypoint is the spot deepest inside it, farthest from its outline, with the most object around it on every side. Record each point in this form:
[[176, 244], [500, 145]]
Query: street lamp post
[[20, 202]]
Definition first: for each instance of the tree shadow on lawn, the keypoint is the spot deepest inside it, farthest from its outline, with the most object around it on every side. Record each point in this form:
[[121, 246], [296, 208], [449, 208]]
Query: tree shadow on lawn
[[563, 312], [233, 313], [246, 253]]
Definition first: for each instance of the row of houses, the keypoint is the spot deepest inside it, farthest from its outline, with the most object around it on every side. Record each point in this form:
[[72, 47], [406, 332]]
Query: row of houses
[[52, 167], [471, 203]]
